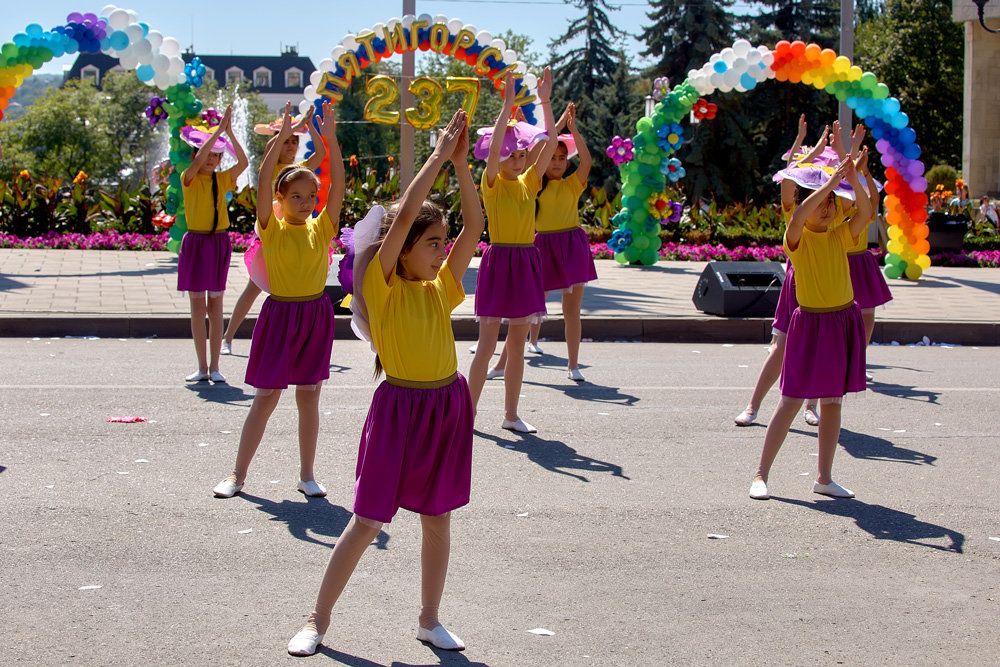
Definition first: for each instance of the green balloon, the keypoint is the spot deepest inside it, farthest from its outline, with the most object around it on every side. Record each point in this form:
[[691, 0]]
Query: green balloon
[[642, 191], [893, 271], [620, 258], [880, 92], [632, 253], [641, 242], [868, 81], [632, 202], [173, 245], [649, 257], [644, 125], [893, 258]]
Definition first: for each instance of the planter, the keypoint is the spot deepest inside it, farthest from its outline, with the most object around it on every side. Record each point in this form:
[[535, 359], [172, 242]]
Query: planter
[[947, 232]]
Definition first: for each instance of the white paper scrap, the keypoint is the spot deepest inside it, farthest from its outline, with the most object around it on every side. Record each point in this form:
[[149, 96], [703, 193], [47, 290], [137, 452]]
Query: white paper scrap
[[541, 631], [900, 430], [50, 486], [226, 432], [525, 514], [244, 532], [141, 461], [727, 345], [604, 414], [203, 444], [88, 588], [995, 539], [715, 536]]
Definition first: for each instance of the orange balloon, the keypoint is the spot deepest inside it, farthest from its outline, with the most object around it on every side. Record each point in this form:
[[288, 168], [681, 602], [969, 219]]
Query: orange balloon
[[798, 48], [922, 247], [827, 56], [813, 51]]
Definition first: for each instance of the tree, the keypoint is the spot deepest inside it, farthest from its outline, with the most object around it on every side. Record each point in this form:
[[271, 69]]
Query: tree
[[614, 110], [580, 71], [917, 51], [808, 20], [684, 35]]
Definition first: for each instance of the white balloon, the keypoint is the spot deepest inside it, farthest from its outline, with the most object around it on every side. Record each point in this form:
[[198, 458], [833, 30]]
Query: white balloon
[[392, 23], [315, 77], [170, 47], [118, 19], [767, 57], [132, 16], [309, 93], [725, 88], [134, 32], [107, 10], [520, 68], [350, 42], [142, 48], [128, 61], [440, 18], [510, 56], [731, 78], [455, 26], [162, 80], [727, 55], [176, 66], [155, 38], [407, 20], [161, 64], [305, 106], [335, 53], [378, 29], [326, 65], [470, 28], [740, 65], [426, 18], [484, 37], [717, 79], [753, 56], [146, 58], [499, 45], [741, 47]]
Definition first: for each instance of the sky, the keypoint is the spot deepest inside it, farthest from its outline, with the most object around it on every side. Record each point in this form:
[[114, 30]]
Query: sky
[[254, 27]]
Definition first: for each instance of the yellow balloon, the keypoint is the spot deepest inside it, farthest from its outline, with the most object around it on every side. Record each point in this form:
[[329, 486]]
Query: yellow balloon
[[913, 271], [384, 94], [841, 65], [923, 261], [429, 96], [895, 232], [894, 246]]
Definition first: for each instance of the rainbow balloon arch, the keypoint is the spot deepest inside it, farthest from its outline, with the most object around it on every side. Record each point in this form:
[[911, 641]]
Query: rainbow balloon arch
[[157, 61], [646, 159]]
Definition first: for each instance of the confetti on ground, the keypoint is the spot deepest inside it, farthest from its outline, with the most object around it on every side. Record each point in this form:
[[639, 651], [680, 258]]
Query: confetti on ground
[[526, 514], [36, 339], [203, 444], [727, 345], [541, 631], [88, 588], [882, 428], [995, 539], [127, 419], [141, 461], [226, 432], [275, 481], [696, 351], [44, 414], [900, 430], [244, 532], [795, 555], [938, 424], [508, 446], [122, 472], [715, 536], [803, 474], [52, 486], [604, 414], [743, 366]]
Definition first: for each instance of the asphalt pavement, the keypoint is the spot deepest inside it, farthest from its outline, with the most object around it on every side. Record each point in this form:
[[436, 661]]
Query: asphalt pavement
[[597, 529]]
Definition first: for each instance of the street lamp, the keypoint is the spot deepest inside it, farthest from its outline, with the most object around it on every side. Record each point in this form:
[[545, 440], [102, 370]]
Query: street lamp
[[981, 4]]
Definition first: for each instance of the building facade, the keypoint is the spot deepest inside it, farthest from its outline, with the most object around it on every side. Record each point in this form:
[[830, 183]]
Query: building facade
[[981, 109]]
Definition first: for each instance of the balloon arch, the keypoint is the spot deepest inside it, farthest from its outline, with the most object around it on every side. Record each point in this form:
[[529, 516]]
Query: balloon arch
[[645, 159], [157, 61]]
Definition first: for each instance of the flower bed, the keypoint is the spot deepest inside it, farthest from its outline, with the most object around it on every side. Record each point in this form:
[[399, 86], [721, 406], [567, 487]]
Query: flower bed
[[705, 252]]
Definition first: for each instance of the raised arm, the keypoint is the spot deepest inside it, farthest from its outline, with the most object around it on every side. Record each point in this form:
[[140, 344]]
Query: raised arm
[[319, 148], [335, 195], [862, 203], [586, 160], [797, 144], [499, 130], [472, 211], [241, 157], [264, 192], [419, 188], [820, 146], [544, 99], [536, 150], [202, 156]]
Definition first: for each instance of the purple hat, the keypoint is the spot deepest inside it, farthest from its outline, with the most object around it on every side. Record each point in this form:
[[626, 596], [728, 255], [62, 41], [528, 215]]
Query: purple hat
[[519, 136], [813, 176], [197, 136]]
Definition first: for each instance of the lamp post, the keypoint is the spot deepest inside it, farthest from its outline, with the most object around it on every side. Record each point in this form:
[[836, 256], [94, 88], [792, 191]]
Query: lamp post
[[650, 105], [981, 4]]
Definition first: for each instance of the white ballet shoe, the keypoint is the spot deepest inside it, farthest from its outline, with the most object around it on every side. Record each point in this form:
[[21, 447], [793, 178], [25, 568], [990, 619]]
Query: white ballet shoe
[[227, 348], [312, 488], [534, 349], [197, 376], [473, 348], [227, 488], [575, 375], [833, 490], [216, 376], [441, 638], [811, 416], [494, 373], [305, 642], [747, 417], [519, 426], [758, 490]]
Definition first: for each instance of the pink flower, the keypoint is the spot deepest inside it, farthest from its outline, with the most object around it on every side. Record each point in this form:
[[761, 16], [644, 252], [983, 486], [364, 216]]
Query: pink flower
[[620, 150]]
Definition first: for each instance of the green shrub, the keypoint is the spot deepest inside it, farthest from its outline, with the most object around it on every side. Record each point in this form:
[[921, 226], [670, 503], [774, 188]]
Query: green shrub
[[943, 175]]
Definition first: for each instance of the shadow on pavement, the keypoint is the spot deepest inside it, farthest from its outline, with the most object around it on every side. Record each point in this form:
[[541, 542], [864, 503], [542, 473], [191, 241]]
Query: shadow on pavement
[[884, 523], [221, 392], [874, 448], [317, 516], [583, 391], [444, 658], [903, 391], [553, 455], [7, 284]]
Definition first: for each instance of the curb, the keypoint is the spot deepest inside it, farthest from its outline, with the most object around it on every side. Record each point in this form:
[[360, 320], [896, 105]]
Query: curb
[[648, 329]]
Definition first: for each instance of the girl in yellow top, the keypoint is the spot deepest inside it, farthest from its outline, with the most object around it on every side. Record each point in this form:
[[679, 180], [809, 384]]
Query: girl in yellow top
[[293, 337], [563, 246], [509, 283], [203, 264], [416, 447], [286, 157], [825, 344]]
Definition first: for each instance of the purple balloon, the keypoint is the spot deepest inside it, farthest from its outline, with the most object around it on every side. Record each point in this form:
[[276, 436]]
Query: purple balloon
[[75, 17], [917, 167], [881, 145], [887, 160], [90, 18], [919, 184]]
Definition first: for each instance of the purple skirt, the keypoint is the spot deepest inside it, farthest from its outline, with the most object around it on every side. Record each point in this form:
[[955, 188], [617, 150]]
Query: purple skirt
[[787, 303], [203, 264], [509, 283], [870, 288], [566, 258], [415, 451], [291, 344], [824, 354]]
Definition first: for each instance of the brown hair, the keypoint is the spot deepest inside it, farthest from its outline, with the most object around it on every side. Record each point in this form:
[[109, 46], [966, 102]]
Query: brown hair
[[293, 173], [429, 214]]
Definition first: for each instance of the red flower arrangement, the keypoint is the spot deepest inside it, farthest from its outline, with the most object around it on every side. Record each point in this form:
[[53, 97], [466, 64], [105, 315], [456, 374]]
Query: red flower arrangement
[[704, 110]]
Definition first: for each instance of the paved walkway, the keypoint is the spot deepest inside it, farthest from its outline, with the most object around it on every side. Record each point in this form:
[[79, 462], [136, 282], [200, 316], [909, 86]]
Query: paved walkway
[[125, 293]]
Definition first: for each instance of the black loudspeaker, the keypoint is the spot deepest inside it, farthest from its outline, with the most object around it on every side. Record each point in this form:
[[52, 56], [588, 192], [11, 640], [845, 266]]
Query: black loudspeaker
[[739, 289]]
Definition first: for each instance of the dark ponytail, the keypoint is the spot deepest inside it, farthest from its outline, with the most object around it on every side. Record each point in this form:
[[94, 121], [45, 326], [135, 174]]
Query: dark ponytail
[[215, 202]]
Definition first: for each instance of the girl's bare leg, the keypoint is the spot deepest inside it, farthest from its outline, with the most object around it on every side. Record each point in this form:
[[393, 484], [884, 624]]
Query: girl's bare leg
[[253, 431], [198, 333], [829, 434], [572, 302], [307, 401], [434, 552], [214, 330], [777, 430], [243, 306], [514, 370], [488, 333]]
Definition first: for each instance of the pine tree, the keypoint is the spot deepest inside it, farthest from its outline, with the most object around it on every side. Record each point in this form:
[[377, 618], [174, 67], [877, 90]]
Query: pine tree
[[580, 71], [615, 108], [684, 35], [808, 20]]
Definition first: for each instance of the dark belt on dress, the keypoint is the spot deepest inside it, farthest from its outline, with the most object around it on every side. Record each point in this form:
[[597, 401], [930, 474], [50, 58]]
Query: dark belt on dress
[[417, 384], [311, 297]]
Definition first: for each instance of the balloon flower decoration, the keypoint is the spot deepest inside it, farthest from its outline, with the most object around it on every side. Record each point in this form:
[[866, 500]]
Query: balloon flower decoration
[[620, 150], [661, 86], [156, 111], [741, 68]]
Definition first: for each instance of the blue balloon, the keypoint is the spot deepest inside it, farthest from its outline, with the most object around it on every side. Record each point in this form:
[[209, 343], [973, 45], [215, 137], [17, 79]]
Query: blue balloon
[[748, 81], [912, 151], [119, 40], [719, 66], [145, 28], [145, 72]]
